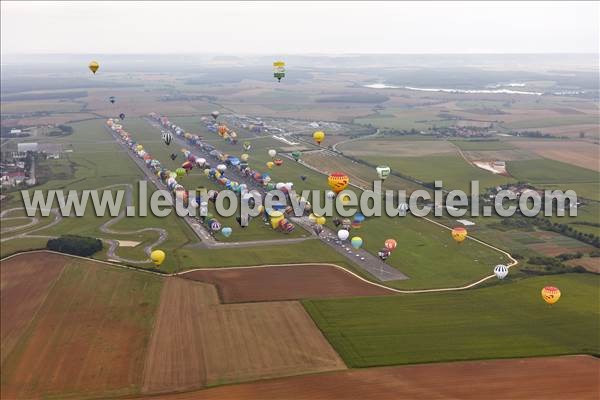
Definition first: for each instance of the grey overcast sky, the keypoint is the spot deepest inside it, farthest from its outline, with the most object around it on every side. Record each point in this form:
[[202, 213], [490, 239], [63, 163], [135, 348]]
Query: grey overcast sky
[[299, 27]]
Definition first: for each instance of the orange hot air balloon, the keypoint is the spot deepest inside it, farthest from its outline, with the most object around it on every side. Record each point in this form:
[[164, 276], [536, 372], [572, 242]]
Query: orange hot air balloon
[[550, 294], [338, 181], [222, 130], [390, 244], [459, 234]]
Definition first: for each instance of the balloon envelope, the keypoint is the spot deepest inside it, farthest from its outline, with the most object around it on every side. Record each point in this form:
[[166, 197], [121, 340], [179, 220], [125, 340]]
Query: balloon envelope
[[459, 234], [157, 257], [383, 172], [338, 181], [319, 136], [500, 271], [550, 294], [343, 234], [226, 231], [272, 153], [93, 66], [356, 242], [390, 244]]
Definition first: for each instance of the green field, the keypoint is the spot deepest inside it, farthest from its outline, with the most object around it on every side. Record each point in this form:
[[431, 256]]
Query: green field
[[504, 321], [452, 170], [483, 145]]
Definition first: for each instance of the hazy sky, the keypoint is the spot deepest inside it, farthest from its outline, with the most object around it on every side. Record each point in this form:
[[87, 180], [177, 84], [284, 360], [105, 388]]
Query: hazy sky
[[298, 27]]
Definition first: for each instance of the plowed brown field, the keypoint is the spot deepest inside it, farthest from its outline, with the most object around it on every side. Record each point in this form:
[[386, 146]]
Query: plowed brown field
[[570, 377], [284, 283], [24, 283], [89, 335], [197, 342]]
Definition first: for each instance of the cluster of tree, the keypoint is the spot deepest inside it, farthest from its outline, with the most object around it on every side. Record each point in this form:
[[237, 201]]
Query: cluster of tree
[[77, 245], [569, 256], [63, 130], [549, 265], [537, 134]]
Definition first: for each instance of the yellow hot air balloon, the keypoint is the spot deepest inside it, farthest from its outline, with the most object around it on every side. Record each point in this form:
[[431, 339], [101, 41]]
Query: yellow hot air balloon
[[459, 234], [93, 66], [276, 217], [319, 136], [338, 181], [550, 294], [244, 157], [320, 220], [157, 257], [270, 164]]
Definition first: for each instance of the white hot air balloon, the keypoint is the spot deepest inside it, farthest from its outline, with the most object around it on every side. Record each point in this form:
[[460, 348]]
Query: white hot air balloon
[[500, 271], [272, 153], [343, 234]]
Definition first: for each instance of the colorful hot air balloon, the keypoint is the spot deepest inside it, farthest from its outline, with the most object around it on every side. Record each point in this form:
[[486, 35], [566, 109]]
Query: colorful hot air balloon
[[383, 254], [500, 271], [459, 234], [356, 242], [296, 155], [343, 234], [93, 66], [247, 146], [338, 181], [222, 129], [157, 257], [319, 136], [390, 244], [279, 70], [550, 294], [276, 217], [278, 162], [383, 172], [180, 172], [214, 114]]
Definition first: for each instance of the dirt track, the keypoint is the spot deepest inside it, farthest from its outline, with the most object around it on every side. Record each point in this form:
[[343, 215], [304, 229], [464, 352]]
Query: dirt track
[[237, 285], [569, 377]]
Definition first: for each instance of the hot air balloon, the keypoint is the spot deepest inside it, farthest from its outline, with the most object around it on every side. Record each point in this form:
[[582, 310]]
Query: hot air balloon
[[343, 234], [272, 153], [173, 156], [459, 234], [180, 172], [222, 129], [356, 242], [157, 257], [270, 164], [338, 181], [276, 217], [188, 165], [214, 225], [112, 99], [383, 254], [319, 136], [279, 70], [296, 155], [550, 294], [226, 231], [303, 177], [122, 116], [402, 209], [383, 172], [247, 146], [215, 114], [244, 157], [320, 220], [500, 271], [167, 137], [278, 162], [93, 66], [390, 244]]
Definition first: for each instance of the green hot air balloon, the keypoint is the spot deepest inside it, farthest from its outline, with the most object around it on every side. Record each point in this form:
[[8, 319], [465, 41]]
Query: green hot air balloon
[[296, 155]]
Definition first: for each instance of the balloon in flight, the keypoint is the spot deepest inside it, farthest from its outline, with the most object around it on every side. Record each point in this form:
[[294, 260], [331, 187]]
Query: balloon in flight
[[214, 114], [383, 172], [356, 242], [157, 257], [338, 181], [390, 244], [167, 137], [122, 116], [272, 152], [459, 234], [296, 155], [279, 70], [226, 231], [550, 294], [500, 271], [112, 99], [319, 136], [93, 66], [343, 234]]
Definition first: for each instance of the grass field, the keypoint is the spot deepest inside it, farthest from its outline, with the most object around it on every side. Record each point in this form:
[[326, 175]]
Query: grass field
[[453, 171], [482, 145], [505, 321]]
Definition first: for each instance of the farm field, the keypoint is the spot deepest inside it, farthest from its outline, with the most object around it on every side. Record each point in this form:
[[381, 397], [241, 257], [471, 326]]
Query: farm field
[[483, 145], [579, 153], [504, 321], [88, 320], [389, 147], [198, 342], [547, 377], [239, 285], [452, 170]]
